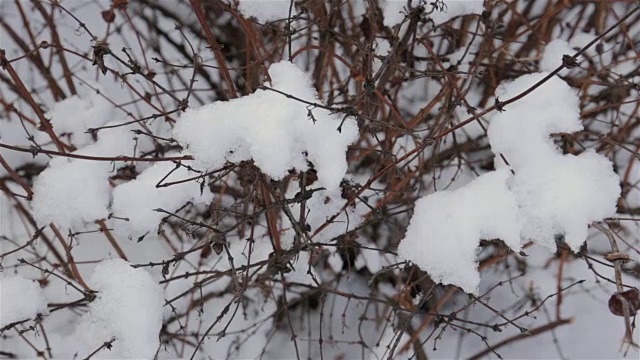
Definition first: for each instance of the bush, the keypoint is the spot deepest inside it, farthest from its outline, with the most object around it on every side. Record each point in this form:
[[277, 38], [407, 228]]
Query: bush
[[319, 179]]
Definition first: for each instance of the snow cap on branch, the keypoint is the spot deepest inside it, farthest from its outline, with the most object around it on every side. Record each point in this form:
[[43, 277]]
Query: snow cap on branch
[[277, 132], [550, 194]]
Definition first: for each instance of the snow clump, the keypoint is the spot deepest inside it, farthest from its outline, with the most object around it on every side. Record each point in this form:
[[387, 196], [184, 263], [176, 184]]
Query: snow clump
[[547, 195]]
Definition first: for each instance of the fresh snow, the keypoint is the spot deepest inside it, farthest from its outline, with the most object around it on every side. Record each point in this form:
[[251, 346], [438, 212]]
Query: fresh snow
[[74, 115], [128, 307], [56, 197], [552, 55], [522, 135], [395, 10], [20, 299], [557, 194], [447, 226], [276, 132], [550, 194], [454, 8], [565, 196], [266, 10], [138, 199]]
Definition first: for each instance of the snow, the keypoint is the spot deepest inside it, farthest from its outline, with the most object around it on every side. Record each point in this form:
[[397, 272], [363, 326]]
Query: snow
[[137, 199], [447, 226], [128, 308], [266, 10], [557, 193], [591, 324], [323, 205], [454, 8], [552, 55], [522, 135], [565, 196], [12, 132], [550, 194], [70, 119], [20, 299], [74, 115], [301, 267], [56, 198], [394, 11], [272, 130], [335, 262]]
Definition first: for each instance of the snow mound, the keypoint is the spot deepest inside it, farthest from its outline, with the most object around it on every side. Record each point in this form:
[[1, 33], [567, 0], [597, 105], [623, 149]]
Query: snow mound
[[521, 133]]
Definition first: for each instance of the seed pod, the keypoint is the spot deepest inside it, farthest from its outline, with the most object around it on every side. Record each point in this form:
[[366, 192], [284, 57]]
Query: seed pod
[[619, 300], [108, 16]]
